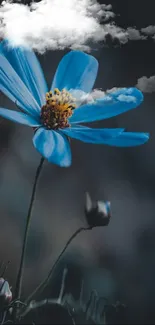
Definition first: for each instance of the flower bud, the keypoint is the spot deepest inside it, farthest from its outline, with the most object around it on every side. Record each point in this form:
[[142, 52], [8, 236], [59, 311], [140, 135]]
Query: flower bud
[[97, 214], [5, 292]]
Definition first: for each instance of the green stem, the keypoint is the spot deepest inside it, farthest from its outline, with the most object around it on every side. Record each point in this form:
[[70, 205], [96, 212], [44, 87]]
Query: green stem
[[45, 282], [22, 259]]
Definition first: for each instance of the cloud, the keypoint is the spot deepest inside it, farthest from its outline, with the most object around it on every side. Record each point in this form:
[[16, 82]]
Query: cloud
[[145, 84], [134, 34], [149, 30], [84, 98], [59, 24], [56, 24], [127, 99], [99, 93]]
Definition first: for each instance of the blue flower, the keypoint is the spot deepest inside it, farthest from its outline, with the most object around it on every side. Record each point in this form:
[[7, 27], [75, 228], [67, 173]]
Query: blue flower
[[55, 115]]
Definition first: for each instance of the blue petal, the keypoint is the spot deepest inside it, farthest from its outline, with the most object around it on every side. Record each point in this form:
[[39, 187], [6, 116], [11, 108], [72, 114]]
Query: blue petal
[[28, 68], [89, 135], [111, 105], [129, 139], [53, 146], [18, 117], [14, 88], [76, 70]]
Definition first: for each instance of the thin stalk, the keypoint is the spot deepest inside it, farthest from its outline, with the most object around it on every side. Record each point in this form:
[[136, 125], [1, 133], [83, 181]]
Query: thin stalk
[[45, 282], [22, 259]]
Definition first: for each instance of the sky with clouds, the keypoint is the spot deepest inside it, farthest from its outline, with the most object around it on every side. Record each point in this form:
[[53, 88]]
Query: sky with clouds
[[69, 24], [58, 24]]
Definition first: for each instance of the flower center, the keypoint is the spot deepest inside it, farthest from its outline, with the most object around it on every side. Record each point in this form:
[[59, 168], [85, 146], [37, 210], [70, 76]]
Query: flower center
[[58, 108]]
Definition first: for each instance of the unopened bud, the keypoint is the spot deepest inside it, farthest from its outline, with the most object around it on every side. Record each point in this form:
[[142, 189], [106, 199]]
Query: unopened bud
[[5, 292], [97, 214]]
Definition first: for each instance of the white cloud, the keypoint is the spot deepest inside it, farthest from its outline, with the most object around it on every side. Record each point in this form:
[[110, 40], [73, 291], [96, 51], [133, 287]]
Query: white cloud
[[59, 24], [113, 90], [145, 84], [55, 24], [134, 34], [82, 97], [97, 94], [127, 99], [149, 30]]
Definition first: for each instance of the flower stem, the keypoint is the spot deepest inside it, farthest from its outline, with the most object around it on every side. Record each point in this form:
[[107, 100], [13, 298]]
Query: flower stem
[[22, 259], [45, 282]]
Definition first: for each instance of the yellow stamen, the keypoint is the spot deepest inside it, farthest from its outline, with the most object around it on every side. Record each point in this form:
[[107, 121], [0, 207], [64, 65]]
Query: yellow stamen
[[58, 108]]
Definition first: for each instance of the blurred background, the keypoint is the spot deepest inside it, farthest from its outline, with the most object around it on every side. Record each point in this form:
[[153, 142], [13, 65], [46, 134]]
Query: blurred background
[[119, 260]]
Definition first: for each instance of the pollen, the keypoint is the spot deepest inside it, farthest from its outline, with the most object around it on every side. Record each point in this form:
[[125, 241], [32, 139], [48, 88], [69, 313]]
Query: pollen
[[57, 110]]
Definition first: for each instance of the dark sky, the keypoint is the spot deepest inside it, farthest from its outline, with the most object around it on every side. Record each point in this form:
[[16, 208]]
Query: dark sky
[[121, 254]]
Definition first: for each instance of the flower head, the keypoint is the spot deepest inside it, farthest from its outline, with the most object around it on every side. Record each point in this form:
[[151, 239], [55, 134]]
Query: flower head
[[55, 114]]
